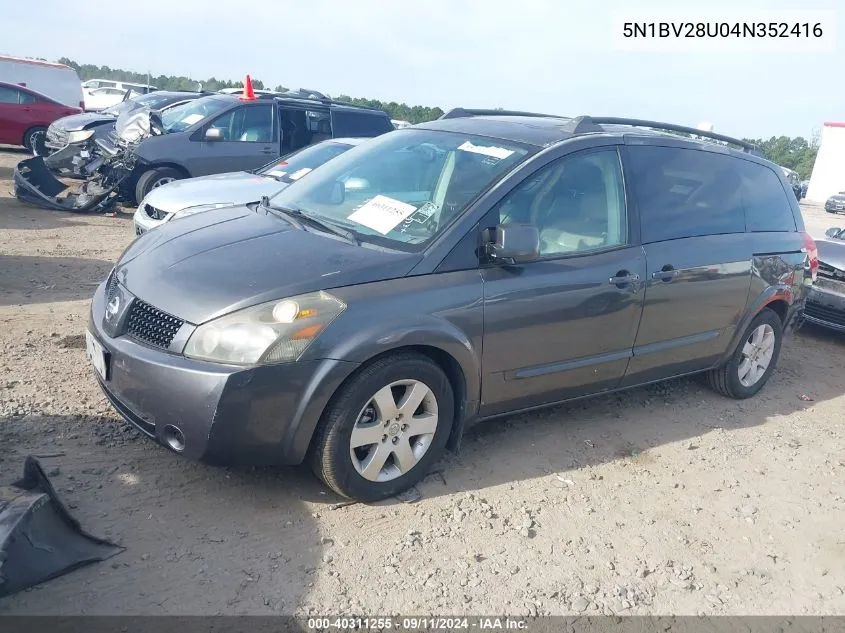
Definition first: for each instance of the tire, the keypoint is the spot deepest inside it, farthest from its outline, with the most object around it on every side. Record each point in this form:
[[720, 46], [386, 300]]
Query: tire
[[154, 178], [727, 380], [33, 140], [354, 408]]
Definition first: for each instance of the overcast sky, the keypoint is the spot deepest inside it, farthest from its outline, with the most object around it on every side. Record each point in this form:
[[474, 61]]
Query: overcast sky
[[553, 56]]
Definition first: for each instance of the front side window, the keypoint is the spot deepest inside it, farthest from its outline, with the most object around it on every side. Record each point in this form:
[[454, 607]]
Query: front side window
[[246, 123], [403, 188], [577, 203], [181, 118], [685, 193]]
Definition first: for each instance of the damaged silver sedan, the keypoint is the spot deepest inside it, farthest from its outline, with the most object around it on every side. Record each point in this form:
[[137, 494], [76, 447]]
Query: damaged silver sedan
[[108, 164]]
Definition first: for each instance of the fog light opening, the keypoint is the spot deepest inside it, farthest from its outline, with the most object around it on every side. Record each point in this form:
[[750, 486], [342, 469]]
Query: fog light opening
[[173, 437]]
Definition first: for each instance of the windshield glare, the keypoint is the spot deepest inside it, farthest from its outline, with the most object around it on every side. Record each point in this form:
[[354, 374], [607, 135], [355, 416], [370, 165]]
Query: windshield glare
[[184, 116], [404, 187], [294, 166], [151, 100]]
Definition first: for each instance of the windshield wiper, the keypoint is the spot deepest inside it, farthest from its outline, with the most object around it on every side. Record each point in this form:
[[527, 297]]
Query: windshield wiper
[[298, 218]]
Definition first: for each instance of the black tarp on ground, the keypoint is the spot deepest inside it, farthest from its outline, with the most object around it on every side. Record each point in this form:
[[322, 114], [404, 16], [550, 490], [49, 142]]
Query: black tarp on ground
[[39, 539]]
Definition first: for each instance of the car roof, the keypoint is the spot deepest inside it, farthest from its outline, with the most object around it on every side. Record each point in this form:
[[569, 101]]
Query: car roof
[[27, 89], [545, 130]]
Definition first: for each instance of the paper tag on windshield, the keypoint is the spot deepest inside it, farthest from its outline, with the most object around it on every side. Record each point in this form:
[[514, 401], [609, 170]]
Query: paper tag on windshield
[[278, 173], [382, 214], [192, 118], [299, 173], [486, 150]]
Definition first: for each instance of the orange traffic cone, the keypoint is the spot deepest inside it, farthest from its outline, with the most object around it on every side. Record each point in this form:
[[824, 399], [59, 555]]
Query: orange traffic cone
[[248, 94]]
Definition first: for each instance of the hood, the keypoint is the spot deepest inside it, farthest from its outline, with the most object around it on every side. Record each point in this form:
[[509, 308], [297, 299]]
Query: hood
[[233, 188], [84, 121], [206, 265], [832, 252]]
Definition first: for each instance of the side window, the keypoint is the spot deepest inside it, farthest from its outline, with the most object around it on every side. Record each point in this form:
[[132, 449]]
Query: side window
[[685, 192], [246, 124], [26, 98], [577, 203], [766, 206], [357, 124], [8, 95]]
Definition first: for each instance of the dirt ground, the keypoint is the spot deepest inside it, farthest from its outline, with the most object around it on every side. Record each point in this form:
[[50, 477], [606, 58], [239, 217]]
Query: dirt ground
[[662, 500]]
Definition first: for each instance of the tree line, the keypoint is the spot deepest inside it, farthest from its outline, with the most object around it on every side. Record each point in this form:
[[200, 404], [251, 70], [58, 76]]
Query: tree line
[[797, 153], [400, 111]]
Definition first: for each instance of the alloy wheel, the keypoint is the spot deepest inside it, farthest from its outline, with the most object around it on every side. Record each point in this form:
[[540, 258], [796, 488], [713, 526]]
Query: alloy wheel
[[756, 355], [394, 430]]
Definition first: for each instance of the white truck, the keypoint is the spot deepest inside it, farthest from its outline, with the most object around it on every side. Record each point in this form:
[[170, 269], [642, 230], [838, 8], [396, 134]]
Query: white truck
[[57, 81]]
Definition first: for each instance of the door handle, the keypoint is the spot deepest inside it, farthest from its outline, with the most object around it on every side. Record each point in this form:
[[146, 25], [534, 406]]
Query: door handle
[[623, 278], [667, 273]]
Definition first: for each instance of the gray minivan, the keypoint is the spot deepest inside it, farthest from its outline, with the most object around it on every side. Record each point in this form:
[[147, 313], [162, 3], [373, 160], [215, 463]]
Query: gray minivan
[[482, 265], [224, 133]]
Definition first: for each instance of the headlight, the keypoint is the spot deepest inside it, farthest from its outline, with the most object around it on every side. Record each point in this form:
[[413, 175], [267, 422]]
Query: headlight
[[197, 209], [79, 136], [274, 332]]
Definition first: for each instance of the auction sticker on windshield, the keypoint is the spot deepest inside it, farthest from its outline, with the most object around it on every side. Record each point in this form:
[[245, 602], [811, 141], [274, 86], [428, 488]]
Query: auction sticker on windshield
[[486, 150], [382, 214], [300, 173], [192, 118]]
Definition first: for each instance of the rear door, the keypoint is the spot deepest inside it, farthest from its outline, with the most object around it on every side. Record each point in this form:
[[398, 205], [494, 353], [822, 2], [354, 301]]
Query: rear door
[[563, 326], [692, 224], [249, 139]]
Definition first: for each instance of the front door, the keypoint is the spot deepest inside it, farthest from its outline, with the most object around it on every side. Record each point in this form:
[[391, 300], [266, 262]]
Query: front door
[[249, 139], [690, 204], [563, 326]]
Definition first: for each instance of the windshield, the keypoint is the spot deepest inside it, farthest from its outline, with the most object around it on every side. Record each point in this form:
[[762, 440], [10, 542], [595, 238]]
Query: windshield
[[294, 166], [404, 187], [152, 101], [184, 116]]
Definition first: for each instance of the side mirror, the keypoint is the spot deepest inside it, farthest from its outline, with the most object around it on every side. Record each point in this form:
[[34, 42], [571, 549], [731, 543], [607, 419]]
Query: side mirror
[[513, 244], [832, 232], [213, 134]]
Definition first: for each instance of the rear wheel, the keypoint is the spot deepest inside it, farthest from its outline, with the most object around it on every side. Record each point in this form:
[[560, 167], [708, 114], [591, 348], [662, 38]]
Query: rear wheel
[[385, 428], [153, 179], [754, 359], [34, 139]]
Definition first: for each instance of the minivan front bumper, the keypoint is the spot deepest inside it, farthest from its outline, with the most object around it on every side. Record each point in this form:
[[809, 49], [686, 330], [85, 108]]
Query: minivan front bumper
[[262, 415]]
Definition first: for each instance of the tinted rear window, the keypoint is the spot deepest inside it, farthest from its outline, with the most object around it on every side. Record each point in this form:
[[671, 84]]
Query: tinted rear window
[[685, 193], [358, 124], [766, 206]]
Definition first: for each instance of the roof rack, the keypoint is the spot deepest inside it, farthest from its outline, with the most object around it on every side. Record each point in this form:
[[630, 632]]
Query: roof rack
[[460, 113], [586, 124]]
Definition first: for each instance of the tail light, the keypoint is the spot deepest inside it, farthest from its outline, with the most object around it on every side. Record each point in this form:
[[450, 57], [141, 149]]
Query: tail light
[[812, 254]]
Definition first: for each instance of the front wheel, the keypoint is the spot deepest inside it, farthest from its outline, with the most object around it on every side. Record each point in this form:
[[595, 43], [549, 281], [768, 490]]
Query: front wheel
[[34, 140], [754, 359], [385, 428], [153, 179]]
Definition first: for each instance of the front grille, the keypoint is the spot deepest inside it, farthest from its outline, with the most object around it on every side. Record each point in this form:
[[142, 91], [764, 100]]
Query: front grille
[[150, 325], [154, 213], [825, 313], [826, 270]]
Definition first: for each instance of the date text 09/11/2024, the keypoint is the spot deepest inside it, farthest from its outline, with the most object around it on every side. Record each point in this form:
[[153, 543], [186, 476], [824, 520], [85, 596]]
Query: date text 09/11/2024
[[416, 623]]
